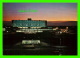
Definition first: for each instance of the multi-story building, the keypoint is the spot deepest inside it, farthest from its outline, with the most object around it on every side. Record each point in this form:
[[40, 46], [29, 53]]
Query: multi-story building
[[29, 26]]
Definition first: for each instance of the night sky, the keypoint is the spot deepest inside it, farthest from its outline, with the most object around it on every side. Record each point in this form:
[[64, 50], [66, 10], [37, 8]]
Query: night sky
[[45, 11]]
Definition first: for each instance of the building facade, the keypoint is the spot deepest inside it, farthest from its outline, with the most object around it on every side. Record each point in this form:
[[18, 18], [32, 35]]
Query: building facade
[[29, 23], [29, 26]]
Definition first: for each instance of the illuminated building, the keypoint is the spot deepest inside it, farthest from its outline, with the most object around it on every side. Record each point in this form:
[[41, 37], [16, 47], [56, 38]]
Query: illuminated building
[[29, 23], [30, 26], [30, 41]]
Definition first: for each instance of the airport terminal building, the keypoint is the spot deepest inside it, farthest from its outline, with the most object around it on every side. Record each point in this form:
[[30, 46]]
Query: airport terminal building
[[29, 26], [29, 23]]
